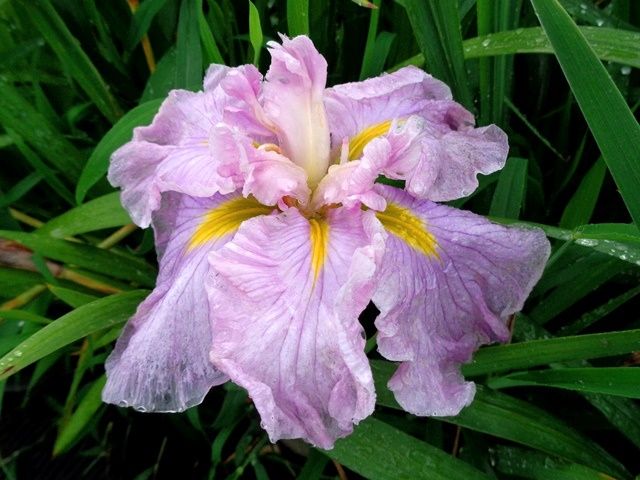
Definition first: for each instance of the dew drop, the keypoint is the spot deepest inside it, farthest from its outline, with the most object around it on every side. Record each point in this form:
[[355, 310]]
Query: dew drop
[[626, 70]]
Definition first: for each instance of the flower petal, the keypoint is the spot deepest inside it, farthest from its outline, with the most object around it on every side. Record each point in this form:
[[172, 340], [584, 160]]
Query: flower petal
[[352, 107], [258, 171], [161, 360], [438, 162], [171, 154], [286, 294], [292, 99], [448, 283]]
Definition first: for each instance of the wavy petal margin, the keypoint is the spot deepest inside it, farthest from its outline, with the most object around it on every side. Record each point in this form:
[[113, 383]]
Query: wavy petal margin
[[449, 281], [285, 295]]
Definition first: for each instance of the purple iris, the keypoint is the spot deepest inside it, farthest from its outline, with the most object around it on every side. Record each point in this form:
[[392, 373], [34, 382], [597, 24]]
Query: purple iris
[[273, 236]]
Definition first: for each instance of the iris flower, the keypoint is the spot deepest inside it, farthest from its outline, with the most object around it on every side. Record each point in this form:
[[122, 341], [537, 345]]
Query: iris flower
[[273, 236]]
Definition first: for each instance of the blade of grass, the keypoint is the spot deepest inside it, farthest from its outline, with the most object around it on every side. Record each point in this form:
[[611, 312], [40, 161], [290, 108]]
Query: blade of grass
[[436, 26], [298, 17], [537, 466], [581, 205], [20, 117], [552, 350], [608, 44], [620, 381], [511, 188], [599, 99], [377, 450], [506, 417], [589, 318], [188, 48], [255, 33], [211, 52], [81, 417], [98, 163], [124, 267], [102, 212], [67, 48], [90, 318]]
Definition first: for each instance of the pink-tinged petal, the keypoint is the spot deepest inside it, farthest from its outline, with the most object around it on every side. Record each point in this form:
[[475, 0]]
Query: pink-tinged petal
[[243, 86], [160, 362], [213, 77], [292, 99], [349, 184], [286, 294], [439, 160], [171, 154], [449, 281], [258, 171], [352, 107]]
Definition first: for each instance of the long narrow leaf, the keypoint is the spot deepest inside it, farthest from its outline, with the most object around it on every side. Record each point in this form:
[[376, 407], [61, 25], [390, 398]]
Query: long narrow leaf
[[79, 323], [599, 99]]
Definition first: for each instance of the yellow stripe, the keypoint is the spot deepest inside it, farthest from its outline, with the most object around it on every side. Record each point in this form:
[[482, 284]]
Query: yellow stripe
[[402, 223], [319, 237], [359, 141], [225, 219]]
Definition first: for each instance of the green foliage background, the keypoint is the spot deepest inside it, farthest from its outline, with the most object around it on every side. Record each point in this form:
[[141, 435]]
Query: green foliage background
[[560, 76]]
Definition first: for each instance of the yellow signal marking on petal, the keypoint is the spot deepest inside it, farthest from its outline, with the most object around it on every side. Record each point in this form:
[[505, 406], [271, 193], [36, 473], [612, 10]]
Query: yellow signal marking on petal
[[319, 238], [359, 141], [225, 219], [404, 224]]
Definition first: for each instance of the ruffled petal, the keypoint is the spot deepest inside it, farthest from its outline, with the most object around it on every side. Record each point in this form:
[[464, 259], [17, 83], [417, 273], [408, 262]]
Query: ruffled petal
[[258, 170], [352, 107], [286, 294], [161, 360], [292, 99], [449, 281], [349, 184], [439, 160], [171, 154]]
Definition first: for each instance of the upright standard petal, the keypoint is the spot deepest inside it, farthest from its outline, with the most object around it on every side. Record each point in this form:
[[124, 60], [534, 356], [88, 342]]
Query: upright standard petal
[[354, 107], [173, 153], [286, 294], [161, 360], [292, 99], [449, 281]]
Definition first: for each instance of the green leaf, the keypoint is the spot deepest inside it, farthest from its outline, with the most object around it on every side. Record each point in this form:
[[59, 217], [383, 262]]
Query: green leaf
[[20, 189], [514, 356], [19, 115], [623, 413], [119, 134], [141, 21], [68, 50], [79, 323], [510, 190], [188, 48], [378, 451], [211, 51], [84, 413], [13, 281], [255, 33], [599, 99], [581, 205], [506, 417], [621, 381], [436, 26], [120, 266], [73, 298], [538, 466], [609, 44], [298, 17], [102, 212], [589, 318]]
